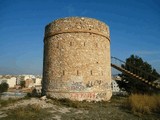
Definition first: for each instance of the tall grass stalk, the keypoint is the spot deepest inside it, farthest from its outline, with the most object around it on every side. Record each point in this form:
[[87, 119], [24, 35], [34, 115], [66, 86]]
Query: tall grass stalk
[[144, 104]]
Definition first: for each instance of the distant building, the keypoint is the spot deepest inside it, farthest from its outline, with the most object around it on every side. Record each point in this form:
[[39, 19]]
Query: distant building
[[114, 84], [116, 77], [115, 87], [29, 83], [28, 77], [37, 81], [157, 82], [11, 81], [34, 82]]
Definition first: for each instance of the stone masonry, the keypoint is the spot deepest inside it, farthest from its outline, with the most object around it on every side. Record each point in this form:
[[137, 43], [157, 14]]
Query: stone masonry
[[77, 59]]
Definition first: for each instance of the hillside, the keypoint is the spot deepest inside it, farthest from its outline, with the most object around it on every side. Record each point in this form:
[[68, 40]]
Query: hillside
[[52, 109]]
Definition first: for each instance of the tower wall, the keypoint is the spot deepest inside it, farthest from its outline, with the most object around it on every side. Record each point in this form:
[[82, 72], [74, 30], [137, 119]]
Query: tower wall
[[77, 59]]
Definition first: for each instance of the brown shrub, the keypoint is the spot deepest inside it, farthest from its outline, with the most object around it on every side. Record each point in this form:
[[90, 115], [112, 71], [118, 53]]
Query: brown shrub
[[138, 103]]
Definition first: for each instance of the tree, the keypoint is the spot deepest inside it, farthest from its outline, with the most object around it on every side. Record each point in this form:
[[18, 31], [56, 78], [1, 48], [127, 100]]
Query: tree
[[132, 85], [3, 87], [22, 83], [35, 93]]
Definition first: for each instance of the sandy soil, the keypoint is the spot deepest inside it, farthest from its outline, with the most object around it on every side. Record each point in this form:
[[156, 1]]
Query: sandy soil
[[111, 111]]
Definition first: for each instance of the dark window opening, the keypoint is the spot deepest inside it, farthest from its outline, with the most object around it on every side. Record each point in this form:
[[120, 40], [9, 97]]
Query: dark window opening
[[96, 44], [91, 72], [84, 44], [102, 72], [57, 44], [63, 72], [77, 72], [71, 43]]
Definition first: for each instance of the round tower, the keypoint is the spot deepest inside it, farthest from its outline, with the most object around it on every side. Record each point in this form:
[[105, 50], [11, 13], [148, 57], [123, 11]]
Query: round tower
[[77, 59]]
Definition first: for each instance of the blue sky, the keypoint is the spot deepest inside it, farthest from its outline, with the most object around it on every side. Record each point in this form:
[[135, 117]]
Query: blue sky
[[134, 28]]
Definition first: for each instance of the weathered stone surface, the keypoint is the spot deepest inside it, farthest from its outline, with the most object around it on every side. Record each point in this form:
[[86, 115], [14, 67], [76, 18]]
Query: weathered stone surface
[[77, 59]]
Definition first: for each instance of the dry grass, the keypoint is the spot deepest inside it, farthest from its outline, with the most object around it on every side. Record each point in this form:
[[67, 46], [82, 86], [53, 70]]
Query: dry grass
[[32, 112], [112, 110], [22, 111], [4, 103], [73, 104], [143, 104]]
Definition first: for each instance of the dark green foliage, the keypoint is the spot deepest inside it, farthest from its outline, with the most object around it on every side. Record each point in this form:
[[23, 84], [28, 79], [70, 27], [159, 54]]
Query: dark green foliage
[[35, 93], [22, 83], [28, 96], [132, 85], [3, 87]]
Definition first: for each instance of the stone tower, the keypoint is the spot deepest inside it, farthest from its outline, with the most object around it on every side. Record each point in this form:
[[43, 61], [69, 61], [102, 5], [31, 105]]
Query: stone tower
[[77, 59]]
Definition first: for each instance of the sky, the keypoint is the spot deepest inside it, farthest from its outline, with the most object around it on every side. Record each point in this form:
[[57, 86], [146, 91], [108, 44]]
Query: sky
[[134, 29]]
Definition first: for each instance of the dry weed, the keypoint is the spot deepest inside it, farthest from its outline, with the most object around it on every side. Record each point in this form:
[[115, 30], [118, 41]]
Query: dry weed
[[143, 103]]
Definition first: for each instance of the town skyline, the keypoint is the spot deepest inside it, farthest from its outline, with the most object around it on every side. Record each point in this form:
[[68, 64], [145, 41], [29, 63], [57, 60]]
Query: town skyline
[[134, 29]]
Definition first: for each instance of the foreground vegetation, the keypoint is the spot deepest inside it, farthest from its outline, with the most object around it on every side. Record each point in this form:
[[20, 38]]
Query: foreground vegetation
[[143, 104], [134, 107], [4, 103], [141, 68], [30, 112], [3, 87]]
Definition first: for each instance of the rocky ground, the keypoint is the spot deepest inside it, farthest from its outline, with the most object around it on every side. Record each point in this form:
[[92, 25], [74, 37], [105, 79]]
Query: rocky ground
[[111, 110]]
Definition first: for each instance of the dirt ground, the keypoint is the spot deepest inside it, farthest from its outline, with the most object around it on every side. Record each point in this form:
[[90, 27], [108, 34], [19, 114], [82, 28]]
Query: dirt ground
[[112, 110]]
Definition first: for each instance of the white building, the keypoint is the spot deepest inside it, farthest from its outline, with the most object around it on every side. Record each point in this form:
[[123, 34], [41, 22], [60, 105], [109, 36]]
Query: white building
[[37, 81], [114, 84], [115, 87], [11, 81], [28, 77], [157, 82]]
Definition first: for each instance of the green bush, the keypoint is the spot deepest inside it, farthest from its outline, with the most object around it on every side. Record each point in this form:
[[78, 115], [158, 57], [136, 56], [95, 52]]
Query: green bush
[[3, 87]]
